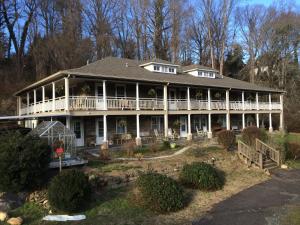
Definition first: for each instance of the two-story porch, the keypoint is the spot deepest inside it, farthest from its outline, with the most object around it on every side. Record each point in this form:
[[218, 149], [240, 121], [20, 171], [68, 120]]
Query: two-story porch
[[93, 108]]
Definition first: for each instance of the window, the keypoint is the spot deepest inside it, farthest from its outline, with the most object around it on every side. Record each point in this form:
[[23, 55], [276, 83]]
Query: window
[[200, 74], [171, 70], [99, 90], [211, 74], [157, 123], [121, 125], [156, 68], [77, 129], [120, 91], [100, 128]]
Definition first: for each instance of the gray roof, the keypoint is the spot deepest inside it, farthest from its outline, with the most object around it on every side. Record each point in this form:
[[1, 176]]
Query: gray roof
[[197, 66], [128, 69]]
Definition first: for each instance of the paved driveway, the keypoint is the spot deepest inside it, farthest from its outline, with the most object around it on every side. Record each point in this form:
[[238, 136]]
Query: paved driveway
[[262, 204]]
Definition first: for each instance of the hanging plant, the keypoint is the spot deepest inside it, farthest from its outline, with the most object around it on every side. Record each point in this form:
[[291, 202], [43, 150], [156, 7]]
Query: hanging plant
[[176, 124], [122, 123], [151, 93], [59, 90], [199, 94], [218, 95], [85, 89]]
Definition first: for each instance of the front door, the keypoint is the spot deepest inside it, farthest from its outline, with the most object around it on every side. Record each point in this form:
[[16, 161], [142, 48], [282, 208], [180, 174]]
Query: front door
[[99, 97], [183, 126], [99, 131], [77, 126]]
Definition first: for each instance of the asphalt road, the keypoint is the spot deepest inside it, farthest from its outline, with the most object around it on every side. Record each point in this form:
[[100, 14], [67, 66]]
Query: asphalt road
[[262, 204]]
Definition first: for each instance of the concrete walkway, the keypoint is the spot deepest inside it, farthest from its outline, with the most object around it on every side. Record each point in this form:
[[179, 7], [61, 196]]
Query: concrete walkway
[[179, 152], [262, 204]]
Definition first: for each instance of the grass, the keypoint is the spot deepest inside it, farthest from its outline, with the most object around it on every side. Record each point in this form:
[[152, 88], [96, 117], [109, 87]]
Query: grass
[[109, 167], [294, 164], [200, 152], [31, 213], [292, 217]]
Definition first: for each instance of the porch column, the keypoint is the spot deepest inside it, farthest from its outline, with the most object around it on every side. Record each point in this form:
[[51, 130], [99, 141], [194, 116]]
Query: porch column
[[243, 100], [28, 102], [104, 95], [34, 100], [208, 99], [19, 101], [165, 97], [66, 94], [43, 98], [257, 104], [270, 123], [53, 96], [227, 108], [189, 136], [137, 97], [138, 135], [104, 128], [209, 133], [166, 126], [68, 122], [257, 120], [281, 122], [270, 101], [227, 100], [188, 99], [243, 121]]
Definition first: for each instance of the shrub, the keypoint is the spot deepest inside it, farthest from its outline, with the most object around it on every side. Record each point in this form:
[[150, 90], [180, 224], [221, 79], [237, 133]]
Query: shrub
[[249, 135], [165, 145], [159, 192], [24, 162], [226, 138], [154, 147], [69, 190], [201, 176], [293, 150], [129, 146]]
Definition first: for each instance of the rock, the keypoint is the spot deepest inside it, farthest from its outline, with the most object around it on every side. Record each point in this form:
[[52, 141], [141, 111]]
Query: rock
[[267, 172], [3, 216], [15, 221], [9, 201], [283, 166]]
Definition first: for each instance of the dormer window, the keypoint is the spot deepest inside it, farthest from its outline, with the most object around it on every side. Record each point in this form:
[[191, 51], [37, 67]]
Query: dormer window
[[201, 72], [156, 68], [160, 66]]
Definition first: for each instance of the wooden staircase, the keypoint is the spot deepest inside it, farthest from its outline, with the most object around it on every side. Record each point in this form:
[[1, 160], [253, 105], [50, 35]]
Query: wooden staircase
[[262, 155]]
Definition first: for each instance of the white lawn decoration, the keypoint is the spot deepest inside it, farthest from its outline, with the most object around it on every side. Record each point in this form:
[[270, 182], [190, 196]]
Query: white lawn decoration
[[64, 218]]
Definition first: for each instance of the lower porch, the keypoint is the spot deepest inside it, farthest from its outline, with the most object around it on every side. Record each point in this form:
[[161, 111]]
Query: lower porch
[[116, 130]]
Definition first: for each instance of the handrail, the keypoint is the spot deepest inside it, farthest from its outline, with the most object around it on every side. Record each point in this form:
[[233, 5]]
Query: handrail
[[267, 150], [251, 154]]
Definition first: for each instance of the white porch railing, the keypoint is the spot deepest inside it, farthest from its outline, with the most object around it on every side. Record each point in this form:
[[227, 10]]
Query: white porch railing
[[218, 104], [151, 104], [121, 103], [129, 103], [236, 105], [178, 104], [199, 104]]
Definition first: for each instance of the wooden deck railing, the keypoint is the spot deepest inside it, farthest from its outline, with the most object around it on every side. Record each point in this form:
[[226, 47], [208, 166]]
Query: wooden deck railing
[[251, 154], [267, 150], [130, 103]]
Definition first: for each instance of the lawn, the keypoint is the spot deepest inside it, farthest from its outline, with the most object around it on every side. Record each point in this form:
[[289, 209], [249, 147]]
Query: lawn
[[116, 205]]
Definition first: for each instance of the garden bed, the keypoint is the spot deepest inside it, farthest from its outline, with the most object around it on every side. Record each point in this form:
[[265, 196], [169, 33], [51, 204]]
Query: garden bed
[[114, 203]]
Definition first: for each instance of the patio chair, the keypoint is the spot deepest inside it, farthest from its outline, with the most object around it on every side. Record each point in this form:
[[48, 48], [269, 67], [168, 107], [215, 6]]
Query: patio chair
[[157, 135], [170, 134], [200, 133]]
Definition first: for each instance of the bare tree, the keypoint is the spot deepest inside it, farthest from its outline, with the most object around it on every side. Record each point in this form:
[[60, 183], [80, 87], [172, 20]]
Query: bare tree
[[13, 12]]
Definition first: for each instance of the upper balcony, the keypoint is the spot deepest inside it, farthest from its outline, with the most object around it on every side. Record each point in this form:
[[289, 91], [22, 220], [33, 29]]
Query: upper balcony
[[134, 96]]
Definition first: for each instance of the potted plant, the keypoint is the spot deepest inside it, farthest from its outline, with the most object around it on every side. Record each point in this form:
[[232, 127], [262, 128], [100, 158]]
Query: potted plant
[[85, 90], [199, 94], [151, 93]]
